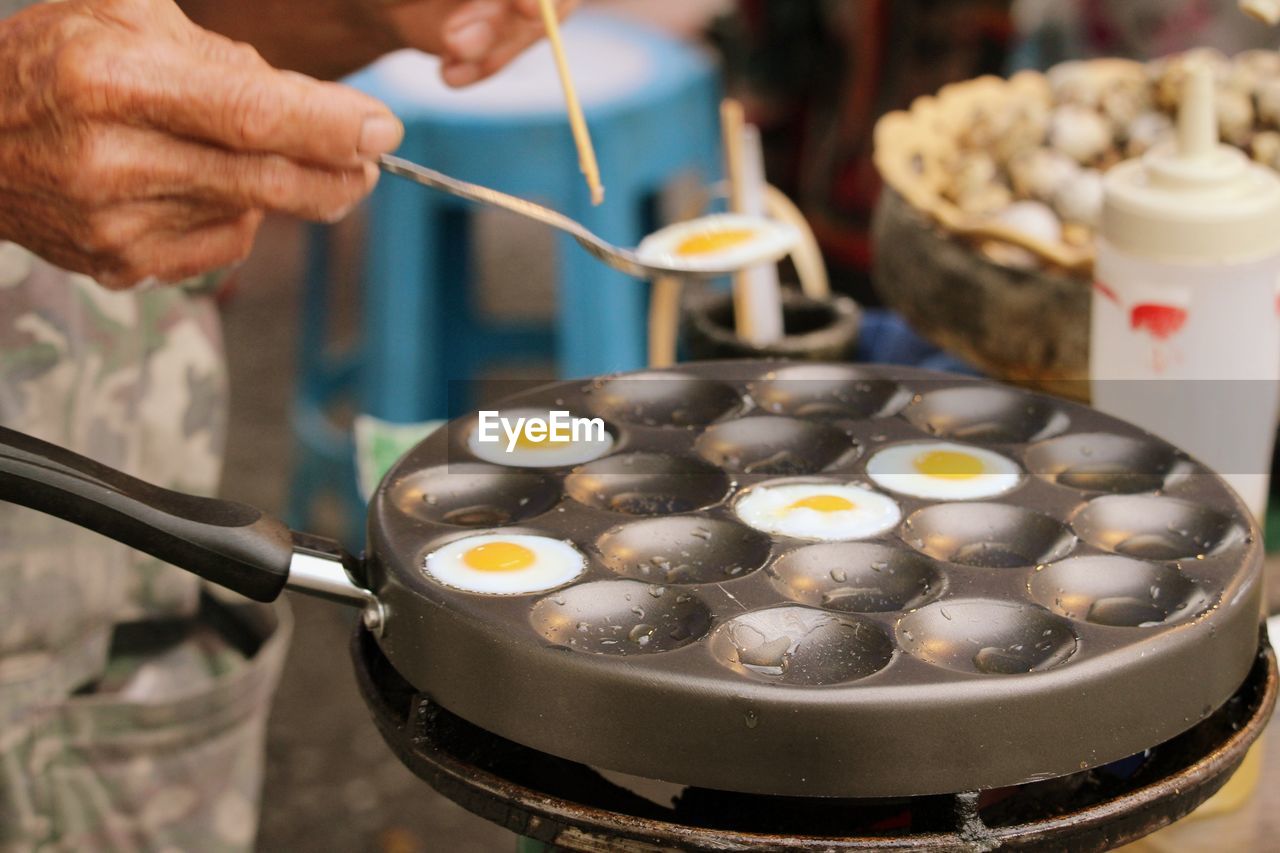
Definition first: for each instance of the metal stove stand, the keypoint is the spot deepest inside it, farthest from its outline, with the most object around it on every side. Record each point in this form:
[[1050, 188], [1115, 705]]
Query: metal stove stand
[[571, 807]]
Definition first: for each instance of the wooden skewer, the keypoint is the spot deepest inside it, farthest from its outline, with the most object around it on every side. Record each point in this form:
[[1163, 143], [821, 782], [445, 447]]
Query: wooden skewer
[[581, 136], [664, 320], [732, 120], [664, 300], [807, 257]]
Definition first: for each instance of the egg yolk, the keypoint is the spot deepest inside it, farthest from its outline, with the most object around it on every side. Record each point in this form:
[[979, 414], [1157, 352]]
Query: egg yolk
[[714, 241], [824, 503], [949, 465], [498, 557]]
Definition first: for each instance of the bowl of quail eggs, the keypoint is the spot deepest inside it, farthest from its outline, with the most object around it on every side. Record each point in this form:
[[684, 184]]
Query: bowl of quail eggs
[[993, 191]]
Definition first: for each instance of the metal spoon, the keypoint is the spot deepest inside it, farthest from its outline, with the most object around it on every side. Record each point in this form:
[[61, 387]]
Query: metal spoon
[[652, 264]]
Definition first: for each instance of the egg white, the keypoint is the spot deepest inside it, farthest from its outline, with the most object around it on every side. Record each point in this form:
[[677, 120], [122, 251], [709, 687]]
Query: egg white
[[768, 508], [894, 469], [773, 241], [547, 454], [555, 563]]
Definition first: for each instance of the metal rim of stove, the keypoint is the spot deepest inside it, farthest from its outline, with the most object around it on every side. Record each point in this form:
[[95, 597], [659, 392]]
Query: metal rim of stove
[[479, 771]]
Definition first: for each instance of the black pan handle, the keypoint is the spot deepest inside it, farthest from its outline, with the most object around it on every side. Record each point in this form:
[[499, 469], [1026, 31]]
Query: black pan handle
[[230, 544]]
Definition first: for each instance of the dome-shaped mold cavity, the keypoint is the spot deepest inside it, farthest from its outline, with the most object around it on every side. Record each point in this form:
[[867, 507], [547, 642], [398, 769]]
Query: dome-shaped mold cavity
[[857, 577], [987, 536], [683, 549], [665, 400], [1147, 527], [775, 445], [1117, 591], [987, 637], [802, 646], [827, 391], [621, 617], [474, 495], [1102, 462], [647, 484], [986, 415]]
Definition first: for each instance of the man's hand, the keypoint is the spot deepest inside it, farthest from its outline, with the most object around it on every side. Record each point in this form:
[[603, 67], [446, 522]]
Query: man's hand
[[474, 38], [136, 145], [331, 38]]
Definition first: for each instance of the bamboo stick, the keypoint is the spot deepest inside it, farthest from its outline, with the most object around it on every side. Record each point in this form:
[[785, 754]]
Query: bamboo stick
[[581, 136]]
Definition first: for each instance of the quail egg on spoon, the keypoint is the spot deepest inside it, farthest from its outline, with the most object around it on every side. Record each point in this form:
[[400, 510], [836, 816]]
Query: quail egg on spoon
[[725, 241]]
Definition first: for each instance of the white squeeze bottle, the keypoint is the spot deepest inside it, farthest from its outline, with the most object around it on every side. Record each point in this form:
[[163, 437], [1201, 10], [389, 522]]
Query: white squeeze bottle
[[1185, 334]]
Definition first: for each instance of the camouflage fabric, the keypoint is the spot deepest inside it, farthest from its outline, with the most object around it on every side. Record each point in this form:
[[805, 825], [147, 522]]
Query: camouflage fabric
[[136, 380], [164, 754]]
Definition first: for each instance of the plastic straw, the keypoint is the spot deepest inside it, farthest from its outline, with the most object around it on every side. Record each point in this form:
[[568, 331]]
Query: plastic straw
[[757, 294]]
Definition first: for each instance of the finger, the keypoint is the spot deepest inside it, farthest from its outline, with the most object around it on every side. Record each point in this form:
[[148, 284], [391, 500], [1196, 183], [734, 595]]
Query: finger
[[472, 30], [127, 164], [211, 247], [460, 73], [287, 114], [520, 35], [482, 26], [112, 231], [517, 38], [532, 9], [469, 11], [274, 183], [250, 107], [170, 257], [423, 24], [216, 47]]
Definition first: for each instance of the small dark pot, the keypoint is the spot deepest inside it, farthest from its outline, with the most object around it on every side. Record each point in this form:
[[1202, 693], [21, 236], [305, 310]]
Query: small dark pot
[[815, 330]]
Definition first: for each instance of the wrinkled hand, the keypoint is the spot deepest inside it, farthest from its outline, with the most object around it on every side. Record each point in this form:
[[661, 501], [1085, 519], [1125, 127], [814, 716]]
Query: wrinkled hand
[[136, 145], [473, 38]]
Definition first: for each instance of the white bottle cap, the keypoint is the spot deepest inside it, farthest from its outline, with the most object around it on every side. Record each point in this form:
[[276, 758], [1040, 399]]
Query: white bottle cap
[[1193, 200]]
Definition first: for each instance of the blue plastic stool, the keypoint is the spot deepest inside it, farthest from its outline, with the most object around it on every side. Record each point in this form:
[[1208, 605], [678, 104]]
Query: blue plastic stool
[[651, 104]]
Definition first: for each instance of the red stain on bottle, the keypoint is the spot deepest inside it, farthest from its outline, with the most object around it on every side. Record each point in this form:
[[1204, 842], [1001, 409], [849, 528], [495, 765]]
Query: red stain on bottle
[[1162, 321]]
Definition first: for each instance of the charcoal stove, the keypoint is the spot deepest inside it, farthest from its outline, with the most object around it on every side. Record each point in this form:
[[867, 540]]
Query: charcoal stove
[[573, 807]]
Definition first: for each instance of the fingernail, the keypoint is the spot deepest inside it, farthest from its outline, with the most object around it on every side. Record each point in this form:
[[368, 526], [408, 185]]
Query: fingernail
[[461, 73], [471, 41], [380, 134]]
